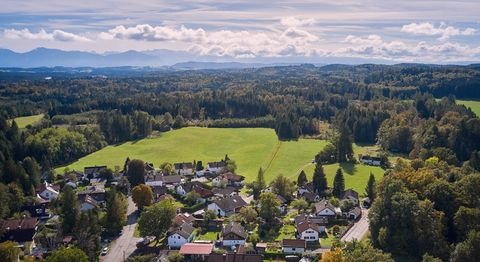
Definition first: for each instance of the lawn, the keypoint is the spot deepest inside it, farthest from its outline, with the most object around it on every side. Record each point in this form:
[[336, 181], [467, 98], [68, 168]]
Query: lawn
[[251, 148], [24, 121], [474, 105], [356, 175], [286, 232], [209, 235]]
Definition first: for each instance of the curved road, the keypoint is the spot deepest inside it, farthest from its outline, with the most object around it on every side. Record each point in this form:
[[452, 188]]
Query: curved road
[[125, 245], [359, 230]]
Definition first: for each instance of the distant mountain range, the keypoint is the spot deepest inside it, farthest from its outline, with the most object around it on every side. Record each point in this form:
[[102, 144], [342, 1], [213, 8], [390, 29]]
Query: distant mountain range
[[168, 59]]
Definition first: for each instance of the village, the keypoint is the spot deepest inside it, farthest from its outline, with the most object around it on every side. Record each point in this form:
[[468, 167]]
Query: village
[[217, 216]]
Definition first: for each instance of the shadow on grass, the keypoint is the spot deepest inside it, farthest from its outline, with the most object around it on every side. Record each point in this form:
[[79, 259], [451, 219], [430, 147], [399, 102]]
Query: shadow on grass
[[348, 168]]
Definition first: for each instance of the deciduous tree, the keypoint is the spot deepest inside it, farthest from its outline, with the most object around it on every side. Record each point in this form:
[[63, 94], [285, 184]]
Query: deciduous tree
[[156, 219], [136, 172], [142, 195]]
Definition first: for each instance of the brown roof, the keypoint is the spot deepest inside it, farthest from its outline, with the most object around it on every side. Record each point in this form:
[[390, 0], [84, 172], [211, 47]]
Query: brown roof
[[203, 192], [350, 193], [224, 191], [185, 230], [217, 164], [319, 220], [233, 177], [183, 218], [171, 179], [236, 229], [232, 257], [196, 249], [297, 243], [301, 227], [19, 230], [324, 204]]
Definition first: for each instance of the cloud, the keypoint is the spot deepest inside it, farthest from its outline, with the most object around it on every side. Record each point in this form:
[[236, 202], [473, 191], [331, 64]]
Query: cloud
[[243, 43], [55, 35], [374, 46], [444, 31], [296, 22]]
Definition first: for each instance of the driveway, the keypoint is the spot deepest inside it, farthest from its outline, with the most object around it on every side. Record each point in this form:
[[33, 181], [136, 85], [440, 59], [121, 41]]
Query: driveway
[[359, 229], [125, 245]]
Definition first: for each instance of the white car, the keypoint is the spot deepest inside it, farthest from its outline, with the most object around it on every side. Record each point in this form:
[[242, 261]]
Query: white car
[[104, 251]]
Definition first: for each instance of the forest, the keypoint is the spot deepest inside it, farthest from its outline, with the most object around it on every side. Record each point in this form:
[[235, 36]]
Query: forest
[[406, 109]]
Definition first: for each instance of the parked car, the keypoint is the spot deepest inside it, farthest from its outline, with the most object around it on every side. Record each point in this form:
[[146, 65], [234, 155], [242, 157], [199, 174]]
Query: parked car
[[104, 251]]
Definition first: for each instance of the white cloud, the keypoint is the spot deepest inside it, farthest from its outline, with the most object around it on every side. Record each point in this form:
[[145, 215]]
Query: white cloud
[[296, 22], [55, 35], [444, 31], [291, 41]]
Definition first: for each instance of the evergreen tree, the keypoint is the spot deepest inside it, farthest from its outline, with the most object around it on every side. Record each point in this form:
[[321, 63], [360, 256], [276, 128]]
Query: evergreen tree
[[370, 189], [344, 145], [70, 210], [261, 179], [116, 216], [319, 179], [338, 184], [302, 179]]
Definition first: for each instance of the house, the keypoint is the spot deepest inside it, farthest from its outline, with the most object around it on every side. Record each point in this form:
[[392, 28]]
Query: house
[[149, 168], [355, 213], [39, 211], [324, 208], [184, 168], [233, 234], [228, 179], [200, 179], [261, 247], [95, 192], [205, 194], [370, 160], [93, 171], [234, 257], [159, 191], [308, 231], [73, 176], [351, 195], [87, 202], [172, 181], [283, 204], [196, 251], [225, 192], [293, 246], [20, 230], [180, 235], [216, 167], [320, 221], [181, 218], [311, 197], [227, 206], [305, 188], [48, 191], [186, 188]]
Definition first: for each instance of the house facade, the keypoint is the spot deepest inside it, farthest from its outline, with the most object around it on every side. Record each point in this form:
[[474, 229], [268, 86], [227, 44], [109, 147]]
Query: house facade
[[233, 234], [184, 168], [227, 206], [180, 235], [308, 231], [48, 191], [293, 246]]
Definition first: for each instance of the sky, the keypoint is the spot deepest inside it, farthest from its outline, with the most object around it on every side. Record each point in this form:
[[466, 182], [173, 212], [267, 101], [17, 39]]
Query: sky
[[424, 31]]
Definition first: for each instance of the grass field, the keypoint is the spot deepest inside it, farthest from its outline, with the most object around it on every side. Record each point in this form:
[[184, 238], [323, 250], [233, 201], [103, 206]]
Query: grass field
[[251, 148], [24, 121], [474, 105]]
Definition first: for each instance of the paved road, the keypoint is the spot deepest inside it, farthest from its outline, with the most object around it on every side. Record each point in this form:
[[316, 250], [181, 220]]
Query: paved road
[[358, 230], [124, 246]]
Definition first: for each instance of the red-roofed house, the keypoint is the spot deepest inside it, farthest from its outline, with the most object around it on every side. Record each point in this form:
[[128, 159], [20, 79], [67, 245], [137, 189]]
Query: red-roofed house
[[196, 251]]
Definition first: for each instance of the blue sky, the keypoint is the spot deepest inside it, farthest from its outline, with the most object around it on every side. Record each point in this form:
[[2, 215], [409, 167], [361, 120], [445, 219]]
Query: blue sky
[[431, 31]]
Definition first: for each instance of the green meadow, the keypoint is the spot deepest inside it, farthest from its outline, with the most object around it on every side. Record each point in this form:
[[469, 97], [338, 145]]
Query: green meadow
[[251, 148], [474, 105], [24, 121]]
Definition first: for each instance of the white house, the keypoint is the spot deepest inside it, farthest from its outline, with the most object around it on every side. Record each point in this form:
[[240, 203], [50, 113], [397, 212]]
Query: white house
[[227, 206], [180, 235], [48, 191], [233, 234], [307, 231], [184, 189], [324, 208], [355, 213], [184, 168], [293, 246], [216, 167], [370, 160]]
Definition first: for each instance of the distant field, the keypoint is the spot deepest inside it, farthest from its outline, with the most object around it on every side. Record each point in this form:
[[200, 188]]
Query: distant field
[[251, 148], [24, 121], [474, 105]]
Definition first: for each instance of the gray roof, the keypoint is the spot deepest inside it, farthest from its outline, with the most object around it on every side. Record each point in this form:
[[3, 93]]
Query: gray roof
[[183, 165], [185, 230], [236, 229], [230, 203], [324, 204], [171, 179], [350, 193]]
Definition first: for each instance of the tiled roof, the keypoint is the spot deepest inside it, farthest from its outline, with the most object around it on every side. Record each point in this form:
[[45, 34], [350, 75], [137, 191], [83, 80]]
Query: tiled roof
[[185, 230], [350, 193], [324, 204], [235, 228], [183, 165], [230, 203], [232, 257], [307, 225], [297, 243], [196, 249]]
